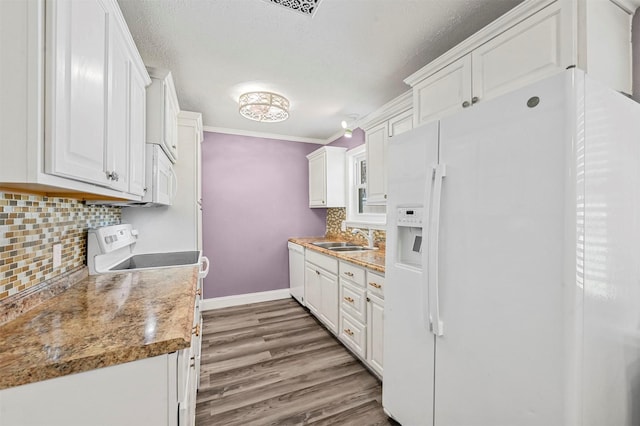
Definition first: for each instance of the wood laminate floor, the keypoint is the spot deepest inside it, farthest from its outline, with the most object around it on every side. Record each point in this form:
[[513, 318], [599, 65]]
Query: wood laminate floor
[[272, 363]]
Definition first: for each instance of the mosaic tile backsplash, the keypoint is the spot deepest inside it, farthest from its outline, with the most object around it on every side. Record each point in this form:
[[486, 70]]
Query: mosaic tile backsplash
[[31, 224], [335, 216]]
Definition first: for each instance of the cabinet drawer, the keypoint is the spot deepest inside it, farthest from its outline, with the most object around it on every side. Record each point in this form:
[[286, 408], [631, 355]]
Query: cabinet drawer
[[352, 273], [353, 301], [353, 333], [325, 262], [375, 284]]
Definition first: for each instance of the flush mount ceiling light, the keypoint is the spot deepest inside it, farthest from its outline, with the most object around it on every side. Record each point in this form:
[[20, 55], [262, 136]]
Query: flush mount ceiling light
[[306, 7], [266, 107]]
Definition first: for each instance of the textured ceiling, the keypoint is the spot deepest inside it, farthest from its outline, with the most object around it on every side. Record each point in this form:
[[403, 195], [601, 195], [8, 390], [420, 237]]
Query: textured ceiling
[[348, 59]]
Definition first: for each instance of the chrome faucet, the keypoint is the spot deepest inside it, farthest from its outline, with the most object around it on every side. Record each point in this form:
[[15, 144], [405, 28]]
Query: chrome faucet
[[368, 236]]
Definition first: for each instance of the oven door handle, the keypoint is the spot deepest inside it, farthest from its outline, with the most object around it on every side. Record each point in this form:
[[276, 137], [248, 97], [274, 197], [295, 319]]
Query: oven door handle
[[204, 272]]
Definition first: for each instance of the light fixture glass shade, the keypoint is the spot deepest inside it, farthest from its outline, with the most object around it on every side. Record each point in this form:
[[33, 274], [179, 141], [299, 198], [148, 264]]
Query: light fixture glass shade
[[348, 133], [266, 107]]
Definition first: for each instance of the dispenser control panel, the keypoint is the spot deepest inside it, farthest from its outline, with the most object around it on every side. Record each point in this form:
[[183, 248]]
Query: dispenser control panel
[[410, 216]]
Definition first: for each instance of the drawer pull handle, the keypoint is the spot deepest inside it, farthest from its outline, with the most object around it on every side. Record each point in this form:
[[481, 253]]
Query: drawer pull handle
[[348, 331], [349, 274], [375, 285], [199, 292], [196, 330], [348, 299]]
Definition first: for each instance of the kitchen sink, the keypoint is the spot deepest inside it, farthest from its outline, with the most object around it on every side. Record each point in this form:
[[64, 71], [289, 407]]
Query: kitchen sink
[[331, 244], [350, 248]]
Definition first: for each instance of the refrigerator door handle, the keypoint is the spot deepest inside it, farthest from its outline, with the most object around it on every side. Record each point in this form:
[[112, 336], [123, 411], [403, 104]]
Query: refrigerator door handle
[[426, 296], [434, 230]]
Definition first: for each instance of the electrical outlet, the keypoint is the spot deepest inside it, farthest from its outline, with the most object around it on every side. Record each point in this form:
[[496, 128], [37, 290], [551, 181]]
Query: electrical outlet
[[57, 255]]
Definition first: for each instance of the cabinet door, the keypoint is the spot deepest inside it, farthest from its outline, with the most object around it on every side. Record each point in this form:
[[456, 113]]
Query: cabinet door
[[443, 92], [76, 134], [117, 161], [312, 292], [137, 127], [376, 142], [329, 293], [171, 111], [165, 182], [318, 181], [529, 51], [375, 332], [401, 123]]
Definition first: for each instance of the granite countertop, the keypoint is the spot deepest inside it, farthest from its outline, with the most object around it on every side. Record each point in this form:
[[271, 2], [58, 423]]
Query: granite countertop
[[100, 321], [372, 259]]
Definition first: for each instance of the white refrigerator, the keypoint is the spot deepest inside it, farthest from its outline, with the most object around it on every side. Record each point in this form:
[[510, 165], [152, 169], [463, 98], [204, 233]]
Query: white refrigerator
[[513, 262]]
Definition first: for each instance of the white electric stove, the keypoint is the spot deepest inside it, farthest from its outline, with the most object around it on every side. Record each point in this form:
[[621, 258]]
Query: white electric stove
[[110, 249]]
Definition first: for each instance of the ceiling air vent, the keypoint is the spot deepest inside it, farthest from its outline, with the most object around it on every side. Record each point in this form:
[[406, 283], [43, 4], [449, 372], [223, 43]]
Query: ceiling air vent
[[306, 7]]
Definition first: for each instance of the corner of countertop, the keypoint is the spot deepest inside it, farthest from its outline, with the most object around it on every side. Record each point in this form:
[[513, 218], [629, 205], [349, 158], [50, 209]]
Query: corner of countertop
[[19, 303]]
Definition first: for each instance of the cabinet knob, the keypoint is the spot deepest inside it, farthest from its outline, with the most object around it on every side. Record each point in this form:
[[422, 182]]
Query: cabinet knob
[[199, 292], [349, 274], [375, 285], [317, 272], [348, 331], [112, 176], [385, 196], [474, 99], [466, 104], [368, 300], [348, 299], [196, 330]]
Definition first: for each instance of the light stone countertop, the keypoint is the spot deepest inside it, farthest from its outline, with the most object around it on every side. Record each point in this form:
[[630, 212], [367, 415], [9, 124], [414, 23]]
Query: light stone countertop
[[102, 320], [372, 259]]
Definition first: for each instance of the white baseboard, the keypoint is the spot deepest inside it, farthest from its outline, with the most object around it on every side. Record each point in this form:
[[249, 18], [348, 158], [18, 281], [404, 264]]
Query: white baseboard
[[243, 299]]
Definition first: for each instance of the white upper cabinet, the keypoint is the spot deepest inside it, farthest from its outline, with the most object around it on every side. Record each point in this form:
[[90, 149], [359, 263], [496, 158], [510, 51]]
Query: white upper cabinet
[[535, 48], [532, 41], [394, 118], [376, 141], [327, 177], [70, 100], [137, 130], [118, 143], [162, 112], [443, 92], [77, 69]]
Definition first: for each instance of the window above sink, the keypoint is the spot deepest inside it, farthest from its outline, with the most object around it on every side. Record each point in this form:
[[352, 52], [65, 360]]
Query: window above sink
[[359, 214]]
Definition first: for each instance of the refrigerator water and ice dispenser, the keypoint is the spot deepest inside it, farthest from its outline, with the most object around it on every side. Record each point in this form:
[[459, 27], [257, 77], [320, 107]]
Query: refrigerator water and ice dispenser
[[409, 225]]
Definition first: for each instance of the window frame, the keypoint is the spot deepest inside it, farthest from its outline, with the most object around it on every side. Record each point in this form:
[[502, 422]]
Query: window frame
[[355, 219]]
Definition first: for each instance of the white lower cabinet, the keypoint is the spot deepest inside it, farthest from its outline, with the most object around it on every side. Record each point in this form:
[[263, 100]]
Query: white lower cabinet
[[353, 309], [375, 332], [321, 288], [375, 320], [348, 299], [140, 393], [354, 334]]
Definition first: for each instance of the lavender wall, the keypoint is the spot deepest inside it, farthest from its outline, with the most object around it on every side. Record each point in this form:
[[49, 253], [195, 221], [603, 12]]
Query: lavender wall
[[255, 196]]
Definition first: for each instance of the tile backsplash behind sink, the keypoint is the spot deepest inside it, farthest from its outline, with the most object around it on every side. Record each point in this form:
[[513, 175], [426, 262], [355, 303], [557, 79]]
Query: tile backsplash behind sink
[[29, 227], [335, 216]]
